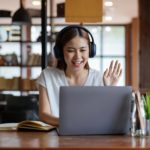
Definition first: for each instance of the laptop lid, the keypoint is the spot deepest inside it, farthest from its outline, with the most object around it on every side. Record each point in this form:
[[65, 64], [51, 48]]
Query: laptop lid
[[91, 110]]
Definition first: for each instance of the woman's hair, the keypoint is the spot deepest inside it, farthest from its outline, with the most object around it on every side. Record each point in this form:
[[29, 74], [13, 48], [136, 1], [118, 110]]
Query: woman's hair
[[63, 38], [52, 61]]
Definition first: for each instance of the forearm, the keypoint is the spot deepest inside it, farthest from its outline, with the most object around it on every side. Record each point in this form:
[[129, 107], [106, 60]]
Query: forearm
[[49, 119]]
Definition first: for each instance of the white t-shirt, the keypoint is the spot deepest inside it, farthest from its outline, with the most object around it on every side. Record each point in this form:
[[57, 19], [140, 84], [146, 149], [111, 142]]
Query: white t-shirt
[[52, 78]]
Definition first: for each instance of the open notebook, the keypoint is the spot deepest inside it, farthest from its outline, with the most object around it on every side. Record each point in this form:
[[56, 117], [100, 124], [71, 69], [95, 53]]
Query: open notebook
[[27, 125]]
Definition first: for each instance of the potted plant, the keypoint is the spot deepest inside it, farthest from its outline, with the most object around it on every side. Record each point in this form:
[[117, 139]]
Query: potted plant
[[147, 111]]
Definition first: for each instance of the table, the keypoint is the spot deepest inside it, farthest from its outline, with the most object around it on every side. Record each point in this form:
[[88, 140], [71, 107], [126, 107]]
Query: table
[[13, 140]]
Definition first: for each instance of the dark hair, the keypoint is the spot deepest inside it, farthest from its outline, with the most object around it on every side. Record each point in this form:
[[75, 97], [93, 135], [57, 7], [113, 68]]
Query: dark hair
[[64, 38]]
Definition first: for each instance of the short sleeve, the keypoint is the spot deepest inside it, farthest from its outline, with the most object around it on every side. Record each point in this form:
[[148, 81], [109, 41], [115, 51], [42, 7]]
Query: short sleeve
[[41, 80]]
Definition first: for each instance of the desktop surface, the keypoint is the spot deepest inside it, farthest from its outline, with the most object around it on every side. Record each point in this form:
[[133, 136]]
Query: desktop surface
[[10, 140]]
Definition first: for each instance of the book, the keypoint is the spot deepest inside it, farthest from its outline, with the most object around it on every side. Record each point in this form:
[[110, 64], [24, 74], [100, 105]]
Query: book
[[28, 125], [8, 126], [139, 109]]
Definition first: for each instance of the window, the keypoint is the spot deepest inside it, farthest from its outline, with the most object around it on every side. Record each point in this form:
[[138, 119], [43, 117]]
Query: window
[[110, 42]]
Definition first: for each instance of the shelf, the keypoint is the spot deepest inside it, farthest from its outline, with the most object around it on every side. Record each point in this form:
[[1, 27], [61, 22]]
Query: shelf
[[21, 66], [30, 66], [1, 90], [1, 42], [24, 42], [10, 66], [19, 42]]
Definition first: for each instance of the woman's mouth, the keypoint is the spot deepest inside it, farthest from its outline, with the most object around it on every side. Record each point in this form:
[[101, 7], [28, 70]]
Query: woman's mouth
[[77, 63]]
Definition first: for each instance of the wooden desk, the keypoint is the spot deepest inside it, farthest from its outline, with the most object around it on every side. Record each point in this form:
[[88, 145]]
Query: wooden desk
[[12, 140]]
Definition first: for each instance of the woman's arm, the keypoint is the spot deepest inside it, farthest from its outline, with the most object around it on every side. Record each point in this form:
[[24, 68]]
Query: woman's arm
[[45, 113]]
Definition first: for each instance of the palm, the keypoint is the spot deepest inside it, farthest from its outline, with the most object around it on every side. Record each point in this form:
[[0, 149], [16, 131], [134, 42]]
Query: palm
[[112, 75]]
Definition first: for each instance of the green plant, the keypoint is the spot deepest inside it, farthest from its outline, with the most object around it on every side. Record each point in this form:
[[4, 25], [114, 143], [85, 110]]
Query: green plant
[[147, 105]]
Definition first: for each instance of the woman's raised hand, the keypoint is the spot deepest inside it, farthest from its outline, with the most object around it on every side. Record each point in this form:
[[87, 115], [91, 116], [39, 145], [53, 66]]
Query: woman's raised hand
[[112, 74]]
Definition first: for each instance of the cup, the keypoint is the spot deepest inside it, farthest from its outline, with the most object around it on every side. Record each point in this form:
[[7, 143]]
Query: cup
[[147, 126]]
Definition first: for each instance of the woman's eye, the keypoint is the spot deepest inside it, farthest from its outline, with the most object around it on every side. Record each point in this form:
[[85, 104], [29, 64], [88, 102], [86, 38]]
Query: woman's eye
[[70, 50], [82, 50]]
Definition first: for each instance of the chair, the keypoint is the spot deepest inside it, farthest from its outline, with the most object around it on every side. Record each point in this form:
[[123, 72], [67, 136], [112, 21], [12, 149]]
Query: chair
[[20, 108]]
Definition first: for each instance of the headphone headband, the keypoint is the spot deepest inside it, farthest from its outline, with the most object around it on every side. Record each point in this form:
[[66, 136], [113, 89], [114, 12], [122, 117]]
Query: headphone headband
[[79, 27]]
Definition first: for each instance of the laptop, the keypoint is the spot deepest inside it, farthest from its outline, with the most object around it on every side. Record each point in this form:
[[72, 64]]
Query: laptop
[[94, 110]]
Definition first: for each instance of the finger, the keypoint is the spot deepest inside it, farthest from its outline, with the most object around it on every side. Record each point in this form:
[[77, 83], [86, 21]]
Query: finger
[[106, 73], [118, 69], [111, 67], [115, 67], [120, 73]]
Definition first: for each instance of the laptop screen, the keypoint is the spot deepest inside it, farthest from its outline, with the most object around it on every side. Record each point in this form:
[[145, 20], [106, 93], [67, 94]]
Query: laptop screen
[[88, 110]]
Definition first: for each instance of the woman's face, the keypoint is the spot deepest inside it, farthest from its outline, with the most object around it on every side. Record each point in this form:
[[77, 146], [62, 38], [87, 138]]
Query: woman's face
[[76, 53]]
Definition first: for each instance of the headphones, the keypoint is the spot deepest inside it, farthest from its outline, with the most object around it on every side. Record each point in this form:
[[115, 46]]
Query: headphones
[[57, 50]]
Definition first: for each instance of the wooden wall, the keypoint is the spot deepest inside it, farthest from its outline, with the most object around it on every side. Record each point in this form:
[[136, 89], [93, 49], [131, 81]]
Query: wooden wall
[[144, 43], [135, 53]]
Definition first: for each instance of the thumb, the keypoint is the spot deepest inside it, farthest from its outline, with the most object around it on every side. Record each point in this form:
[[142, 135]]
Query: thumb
[[105, 73]]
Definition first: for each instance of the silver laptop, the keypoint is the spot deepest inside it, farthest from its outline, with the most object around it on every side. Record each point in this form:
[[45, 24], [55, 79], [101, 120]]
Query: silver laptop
[[92, 110]]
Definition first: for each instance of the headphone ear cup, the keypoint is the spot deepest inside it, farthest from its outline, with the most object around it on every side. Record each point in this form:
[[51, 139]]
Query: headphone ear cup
[[57, 52], [92, 49]]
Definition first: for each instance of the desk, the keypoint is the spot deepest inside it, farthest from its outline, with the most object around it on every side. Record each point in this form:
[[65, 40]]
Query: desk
[[12, 140]]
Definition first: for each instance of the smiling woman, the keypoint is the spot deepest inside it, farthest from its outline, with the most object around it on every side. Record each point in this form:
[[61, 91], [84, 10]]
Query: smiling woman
[[74, 45]]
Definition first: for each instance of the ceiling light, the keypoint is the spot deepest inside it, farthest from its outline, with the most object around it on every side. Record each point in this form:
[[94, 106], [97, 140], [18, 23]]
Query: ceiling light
[[36, 2], [108, 3], [108, 18], [21, 16]]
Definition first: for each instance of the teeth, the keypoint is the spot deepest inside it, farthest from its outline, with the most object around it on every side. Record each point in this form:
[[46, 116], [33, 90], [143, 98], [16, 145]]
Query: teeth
[[78, 61]]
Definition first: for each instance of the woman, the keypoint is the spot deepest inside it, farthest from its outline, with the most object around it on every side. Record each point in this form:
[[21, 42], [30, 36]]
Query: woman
[[73, 48]]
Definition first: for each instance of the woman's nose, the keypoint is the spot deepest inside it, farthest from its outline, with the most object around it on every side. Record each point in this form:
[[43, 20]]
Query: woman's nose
[[77, 54]]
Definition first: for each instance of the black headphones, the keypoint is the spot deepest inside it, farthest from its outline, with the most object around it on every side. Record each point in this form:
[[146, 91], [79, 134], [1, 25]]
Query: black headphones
[[59, 54]]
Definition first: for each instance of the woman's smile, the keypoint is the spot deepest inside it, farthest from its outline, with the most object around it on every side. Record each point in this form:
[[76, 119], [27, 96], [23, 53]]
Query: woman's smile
[[77, 63]]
